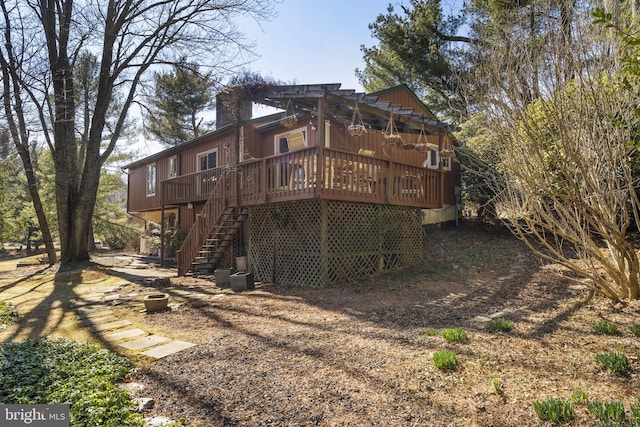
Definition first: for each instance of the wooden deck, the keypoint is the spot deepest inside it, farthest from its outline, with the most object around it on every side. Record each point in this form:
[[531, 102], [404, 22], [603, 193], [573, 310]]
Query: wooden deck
[[311, 173]]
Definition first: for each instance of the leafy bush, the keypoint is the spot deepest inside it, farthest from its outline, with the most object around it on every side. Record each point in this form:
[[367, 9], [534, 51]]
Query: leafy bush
[[555, 410], [174, 237], [604, 327], [115, 236], [63, 371], [445, 360], [608, 412], [616, 363], [500, 325], [8, 313], [454, 335], [635, 330]]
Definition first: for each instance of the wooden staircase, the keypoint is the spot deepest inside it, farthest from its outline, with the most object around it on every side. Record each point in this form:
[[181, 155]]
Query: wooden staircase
[[211, 234], [219, 240]]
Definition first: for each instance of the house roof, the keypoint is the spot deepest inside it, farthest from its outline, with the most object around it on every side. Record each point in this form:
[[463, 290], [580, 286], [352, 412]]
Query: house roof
[[219, 131], [339, 107], [340, 104]]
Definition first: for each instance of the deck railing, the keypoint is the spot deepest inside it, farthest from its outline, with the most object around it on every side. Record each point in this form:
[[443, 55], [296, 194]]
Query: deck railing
[[313, 172]]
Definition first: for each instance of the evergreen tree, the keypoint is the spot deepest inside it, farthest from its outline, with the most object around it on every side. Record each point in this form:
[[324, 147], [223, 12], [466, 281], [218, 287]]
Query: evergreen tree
[[174, 112]]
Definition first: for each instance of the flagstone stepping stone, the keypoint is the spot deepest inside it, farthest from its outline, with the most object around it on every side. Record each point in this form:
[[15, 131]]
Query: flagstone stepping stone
[[144, 342], [94, 308], [88, 300], [94, 314], [100, 327], [129, 333], [161, 351], [96, 320]]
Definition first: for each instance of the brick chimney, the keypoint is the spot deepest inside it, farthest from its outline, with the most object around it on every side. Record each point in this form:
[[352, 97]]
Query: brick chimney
[[231, 107]]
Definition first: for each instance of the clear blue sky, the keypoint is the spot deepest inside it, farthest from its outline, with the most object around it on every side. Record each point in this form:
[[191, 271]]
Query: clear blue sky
[[314, 41]]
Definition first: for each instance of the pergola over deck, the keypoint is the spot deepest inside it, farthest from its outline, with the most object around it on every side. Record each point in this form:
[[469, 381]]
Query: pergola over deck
[[318, 171], [329, 101]]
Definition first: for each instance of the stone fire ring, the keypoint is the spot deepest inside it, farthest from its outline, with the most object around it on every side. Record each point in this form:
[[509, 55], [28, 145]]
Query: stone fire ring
[[156, 302]]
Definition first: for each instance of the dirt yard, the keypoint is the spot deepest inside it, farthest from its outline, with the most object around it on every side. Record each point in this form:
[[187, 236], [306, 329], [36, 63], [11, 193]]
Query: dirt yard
[[357, 354]]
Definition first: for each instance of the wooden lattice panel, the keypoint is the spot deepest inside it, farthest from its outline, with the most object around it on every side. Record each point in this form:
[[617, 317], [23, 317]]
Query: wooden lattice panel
[[313, 243], [285, 244], [367, 239]]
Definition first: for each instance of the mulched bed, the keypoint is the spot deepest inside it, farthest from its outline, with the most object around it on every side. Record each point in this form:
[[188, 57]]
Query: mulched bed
[[357, 354]]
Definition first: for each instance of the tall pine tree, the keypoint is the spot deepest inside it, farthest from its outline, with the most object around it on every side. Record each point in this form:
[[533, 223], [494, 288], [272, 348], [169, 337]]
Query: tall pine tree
[[174, 111]]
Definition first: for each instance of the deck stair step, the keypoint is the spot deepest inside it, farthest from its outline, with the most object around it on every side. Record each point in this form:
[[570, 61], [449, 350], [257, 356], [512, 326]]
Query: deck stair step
[[219, 240]]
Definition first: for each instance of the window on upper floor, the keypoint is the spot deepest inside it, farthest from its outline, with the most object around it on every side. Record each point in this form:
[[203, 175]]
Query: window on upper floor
[[446, 163], [151, 179], [173, 167], [291, 141], [433, 157], [208, 160]]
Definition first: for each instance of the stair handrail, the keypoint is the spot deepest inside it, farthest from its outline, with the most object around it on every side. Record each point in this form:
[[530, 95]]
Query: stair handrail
[[202, 227]]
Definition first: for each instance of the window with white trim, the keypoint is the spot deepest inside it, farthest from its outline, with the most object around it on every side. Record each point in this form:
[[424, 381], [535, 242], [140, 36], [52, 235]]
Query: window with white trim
[[208, 160], [433, 157], [291, 141], [446, 163], [173, 166], [151, 179]]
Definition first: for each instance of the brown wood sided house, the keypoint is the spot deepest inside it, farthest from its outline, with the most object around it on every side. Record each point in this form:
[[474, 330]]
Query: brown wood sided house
[[336, 187]]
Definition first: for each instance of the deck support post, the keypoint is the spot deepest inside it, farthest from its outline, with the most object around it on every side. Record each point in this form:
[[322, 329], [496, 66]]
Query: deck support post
[[162, 236]]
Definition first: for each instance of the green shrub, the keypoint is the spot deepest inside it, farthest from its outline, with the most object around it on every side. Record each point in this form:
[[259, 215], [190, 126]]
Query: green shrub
[[604, 327], [115, 236], [500, 325], [556, 411], [431, 332], [8, 313], [454, 335], [445, 360], [608, 412], [63, 371], [635, 330], [616, 363]]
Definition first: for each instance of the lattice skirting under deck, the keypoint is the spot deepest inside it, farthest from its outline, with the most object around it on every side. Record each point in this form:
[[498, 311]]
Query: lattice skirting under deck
[[314, 243]]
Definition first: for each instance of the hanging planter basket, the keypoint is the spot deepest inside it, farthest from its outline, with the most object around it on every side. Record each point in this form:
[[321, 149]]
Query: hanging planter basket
[[447, 153], [391, 135], [421, 144], [356, 128], [289, 119]]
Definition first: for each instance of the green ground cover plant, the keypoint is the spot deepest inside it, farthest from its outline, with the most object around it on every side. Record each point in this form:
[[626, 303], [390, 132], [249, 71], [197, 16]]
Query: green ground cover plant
[[608, 413], [445, 360], [454, 335], [64, 371], [635, 329], [604, 327], [431, 332], [500, 325], [556, 411], [614, 362], [8, 313]]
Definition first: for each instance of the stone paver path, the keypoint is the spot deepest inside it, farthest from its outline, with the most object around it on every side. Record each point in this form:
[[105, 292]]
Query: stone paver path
[[144, 342], [100, 319]]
